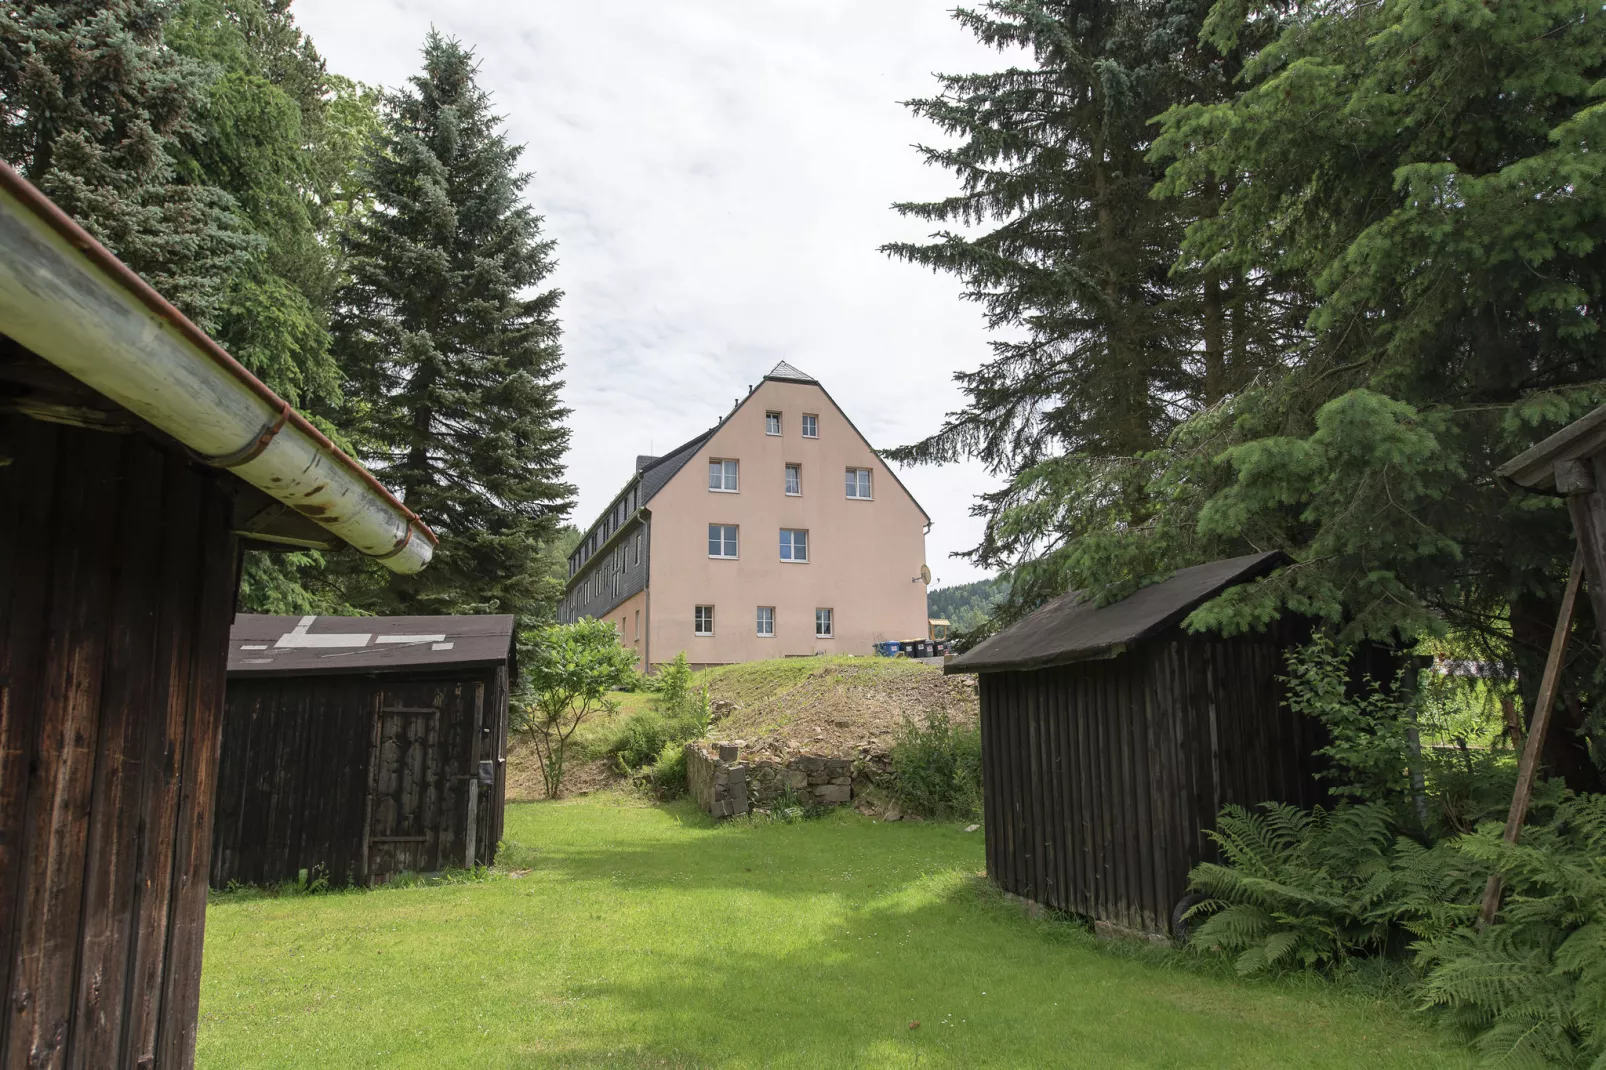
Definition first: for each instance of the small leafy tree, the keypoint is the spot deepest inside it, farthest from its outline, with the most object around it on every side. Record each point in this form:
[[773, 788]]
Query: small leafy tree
[[1370, 746], [573, 668]]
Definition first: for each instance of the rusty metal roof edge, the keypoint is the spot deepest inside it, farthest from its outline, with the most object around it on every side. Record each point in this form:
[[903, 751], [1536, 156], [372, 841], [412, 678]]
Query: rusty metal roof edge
[[48, 212]]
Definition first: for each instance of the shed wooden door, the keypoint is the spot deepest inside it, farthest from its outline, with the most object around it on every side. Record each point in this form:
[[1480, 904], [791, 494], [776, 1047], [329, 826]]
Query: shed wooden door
[[422, 766]]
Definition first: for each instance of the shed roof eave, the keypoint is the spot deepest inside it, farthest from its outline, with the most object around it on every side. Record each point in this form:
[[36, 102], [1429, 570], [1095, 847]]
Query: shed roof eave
[[1051, 661], [1535, 467], [67, 299]]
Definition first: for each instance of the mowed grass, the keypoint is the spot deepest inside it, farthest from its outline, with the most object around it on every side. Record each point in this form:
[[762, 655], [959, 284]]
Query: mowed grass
[[645, 936]]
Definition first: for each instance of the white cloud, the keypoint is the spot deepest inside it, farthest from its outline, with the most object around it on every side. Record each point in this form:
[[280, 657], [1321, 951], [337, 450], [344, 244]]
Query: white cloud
[[718, 175]]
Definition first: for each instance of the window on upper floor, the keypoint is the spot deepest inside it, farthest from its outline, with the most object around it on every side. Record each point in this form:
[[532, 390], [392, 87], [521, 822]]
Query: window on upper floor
[[722, 540], [766, 621], [811, 425], [824, 623], [794, 479], [794, 545], [772, 423], [722, 476], [703, 620], [858, 482]]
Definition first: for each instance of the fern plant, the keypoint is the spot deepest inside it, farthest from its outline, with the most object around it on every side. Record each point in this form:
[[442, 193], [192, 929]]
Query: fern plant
[[1313, 888], [1531, 988]]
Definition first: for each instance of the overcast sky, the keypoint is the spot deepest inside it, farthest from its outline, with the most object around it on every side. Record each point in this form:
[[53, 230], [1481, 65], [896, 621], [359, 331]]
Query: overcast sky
[[718, 175]]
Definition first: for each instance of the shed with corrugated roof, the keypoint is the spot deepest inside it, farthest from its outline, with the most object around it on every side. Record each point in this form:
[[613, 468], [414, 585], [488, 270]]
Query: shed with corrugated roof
[[357, 748], [1112, 736]]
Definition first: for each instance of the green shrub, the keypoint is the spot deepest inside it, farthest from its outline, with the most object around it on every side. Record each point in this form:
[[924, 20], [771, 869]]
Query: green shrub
[[936, 768], [641, 739], [677, 700], [668, 775]]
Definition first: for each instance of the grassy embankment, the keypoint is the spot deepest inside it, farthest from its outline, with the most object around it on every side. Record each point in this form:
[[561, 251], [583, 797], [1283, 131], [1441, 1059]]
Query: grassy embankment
[[645, 936]]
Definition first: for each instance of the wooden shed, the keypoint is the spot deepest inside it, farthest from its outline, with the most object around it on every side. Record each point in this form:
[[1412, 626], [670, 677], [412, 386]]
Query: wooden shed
[[356, 748], [1111, 738], [137, 460]]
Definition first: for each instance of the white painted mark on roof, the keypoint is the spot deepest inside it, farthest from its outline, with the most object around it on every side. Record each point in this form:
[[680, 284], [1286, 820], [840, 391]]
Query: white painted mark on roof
[[257, 661], [297, 637], [253, 646], [440, 646], [409, 638]]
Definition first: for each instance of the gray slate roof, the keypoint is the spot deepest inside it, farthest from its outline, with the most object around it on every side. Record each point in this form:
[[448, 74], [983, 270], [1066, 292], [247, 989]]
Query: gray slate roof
[[785, 371], [1071, 628], [301, 646], [1535, 468]]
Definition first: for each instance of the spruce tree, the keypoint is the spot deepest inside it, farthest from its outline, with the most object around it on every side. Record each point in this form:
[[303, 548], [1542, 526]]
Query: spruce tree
[[95, 112], [1104, 345], [449, 349]]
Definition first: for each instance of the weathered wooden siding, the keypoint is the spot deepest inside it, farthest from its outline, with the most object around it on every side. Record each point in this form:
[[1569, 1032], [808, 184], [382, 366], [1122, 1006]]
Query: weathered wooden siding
[[1103, 779], [299, 789], [117, 581]]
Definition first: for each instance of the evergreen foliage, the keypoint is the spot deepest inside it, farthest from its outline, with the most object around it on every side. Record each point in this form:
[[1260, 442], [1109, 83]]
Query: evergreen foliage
[[450, 353], [1412, 192], [98, 111], [1104, 344]]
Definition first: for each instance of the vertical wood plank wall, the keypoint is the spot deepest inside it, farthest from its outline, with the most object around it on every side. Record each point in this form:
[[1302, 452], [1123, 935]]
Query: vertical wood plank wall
[[296, 781], [117, 583], [1102, 779]]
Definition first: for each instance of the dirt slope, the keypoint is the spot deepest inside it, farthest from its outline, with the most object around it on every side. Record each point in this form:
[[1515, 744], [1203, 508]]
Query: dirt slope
[[830, 706]]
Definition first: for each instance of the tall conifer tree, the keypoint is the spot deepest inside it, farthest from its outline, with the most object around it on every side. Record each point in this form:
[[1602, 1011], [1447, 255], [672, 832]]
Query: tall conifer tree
[[1104, 346], [452, 349]]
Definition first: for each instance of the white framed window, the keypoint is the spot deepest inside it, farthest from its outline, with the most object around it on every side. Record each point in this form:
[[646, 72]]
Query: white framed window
[[703, 620], [772, 423], [766, 621], [722, 476], [811, 425], [722, 540], [794, 479], [794, 545], [824, 624], [858, 482]]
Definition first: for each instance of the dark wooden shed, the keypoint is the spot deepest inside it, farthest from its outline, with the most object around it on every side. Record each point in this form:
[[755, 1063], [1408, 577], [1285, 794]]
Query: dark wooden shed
[[361, 747], [1111, 738], [137, 461]]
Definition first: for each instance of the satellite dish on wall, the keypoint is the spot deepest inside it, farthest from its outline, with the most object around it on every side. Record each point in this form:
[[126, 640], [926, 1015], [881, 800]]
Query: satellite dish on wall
[[925, 575]]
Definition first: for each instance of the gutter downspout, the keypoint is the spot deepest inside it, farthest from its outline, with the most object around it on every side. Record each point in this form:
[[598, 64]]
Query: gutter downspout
[[65, 297]]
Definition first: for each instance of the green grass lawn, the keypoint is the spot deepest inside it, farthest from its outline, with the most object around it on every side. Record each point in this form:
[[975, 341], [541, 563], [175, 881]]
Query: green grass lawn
[[645, 936]]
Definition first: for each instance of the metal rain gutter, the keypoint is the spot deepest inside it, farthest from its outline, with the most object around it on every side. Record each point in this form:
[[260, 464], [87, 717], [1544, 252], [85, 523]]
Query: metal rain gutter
[[64, 296]]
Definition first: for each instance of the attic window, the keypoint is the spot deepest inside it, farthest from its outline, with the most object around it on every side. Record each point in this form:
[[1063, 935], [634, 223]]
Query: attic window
[[772, 423], [722, 476], [811, 426]]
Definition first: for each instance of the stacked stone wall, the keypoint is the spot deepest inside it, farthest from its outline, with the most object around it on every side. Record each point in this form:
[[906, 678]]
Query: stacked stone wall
[[724, 785]]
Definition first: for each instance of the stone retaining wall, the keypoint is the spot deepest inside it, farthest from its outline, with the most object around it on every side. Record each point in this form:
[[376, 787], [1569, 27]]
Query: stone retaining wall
[[724, 785]]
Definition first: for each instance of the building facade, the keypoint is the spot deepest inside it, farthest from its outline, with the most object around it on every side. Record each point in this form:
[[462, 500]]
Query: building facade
[[779, 532]]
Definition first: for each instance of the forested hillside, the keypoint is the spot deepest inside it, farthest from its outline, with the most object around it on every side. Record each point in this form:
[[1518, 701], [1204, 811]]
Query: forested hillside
[[966, 606]]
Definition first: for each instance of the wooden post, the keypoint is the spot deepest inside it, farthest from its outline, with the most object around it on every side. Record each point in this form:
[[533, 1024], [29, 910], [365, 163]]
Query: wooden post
[[1529, 766]]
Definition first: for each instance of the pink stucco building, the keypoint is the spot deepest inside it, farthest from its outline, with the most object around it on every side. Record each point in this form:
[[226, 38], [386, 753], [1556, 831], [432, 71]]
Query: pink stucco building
[[778, 532]]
